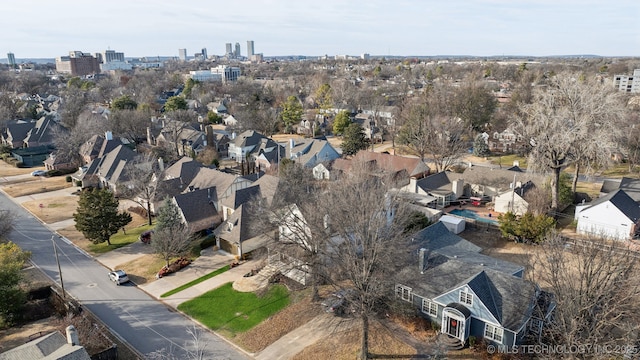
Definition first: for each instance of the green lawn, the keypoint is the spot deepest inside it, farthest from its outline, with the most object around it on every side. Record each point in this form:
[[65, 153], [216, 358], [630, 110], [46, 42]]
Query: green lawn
[[234, 312], [119, 240], [507, 160], [197, 281]]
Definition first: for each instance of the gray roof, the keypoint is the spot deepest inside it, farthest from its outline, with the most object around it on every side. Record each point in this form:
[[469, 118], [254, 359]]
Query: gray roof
[[53, 346], [248, 138], [241, 196], [438, 182], [510, 299], [631, 187], [184, 169], [198, 208], [206, 178], [305, 152], [609, 185], [621, 200], [437, 236], [501, 179]]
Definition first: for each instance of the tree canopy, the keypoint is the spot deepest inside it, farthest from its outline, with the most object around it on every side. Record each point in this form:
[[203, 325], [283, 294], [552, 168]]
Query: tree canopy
[[97, 216], [291, 112], [12, 260], [354, 139], [176, 103], [124, 102], [341, 122]]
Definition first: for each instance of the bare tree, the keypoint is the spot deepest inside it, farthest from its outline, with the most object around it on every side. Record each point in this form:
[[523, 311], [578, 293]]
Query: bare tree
[[595, 286], [130, 124], [142, 186], [568, 123], [67, 141], [7, 220], [194, 349], [171, 236], [366, 223]]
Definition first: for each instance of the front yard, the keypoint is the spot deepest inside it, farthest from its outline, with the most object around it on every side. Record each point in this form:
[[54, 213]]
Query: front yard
[[231, 312]]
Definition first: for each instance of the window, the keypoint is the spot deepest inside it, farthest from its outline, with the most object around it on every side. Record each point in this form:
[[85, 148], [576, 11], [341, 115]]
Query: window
[[466, 297], [429, 307], [404, 293], [493, 332]]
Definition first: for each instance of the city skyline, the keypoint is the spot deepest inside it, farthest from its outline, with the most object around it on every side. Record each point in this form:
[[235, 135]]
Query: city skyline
[[331, 27]]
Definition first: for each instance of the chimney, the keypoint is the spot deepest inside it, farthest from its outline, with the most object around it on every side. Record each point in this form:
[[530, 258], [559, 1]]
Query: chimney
[[72, 335], [292, 143], [421, 255], [413, 185], [161, 164], [108, 135], [149, 141], [516, 163]]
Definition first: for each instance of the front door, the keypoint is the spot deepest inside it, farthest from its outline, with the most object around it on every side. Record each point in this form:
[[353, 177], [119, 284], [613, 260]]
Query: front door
[[454, 326]]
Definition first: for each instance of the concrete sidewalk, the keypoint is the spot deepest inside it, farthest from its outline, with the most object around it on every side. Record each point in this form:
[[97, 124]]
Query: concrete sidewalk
[[207, 262]]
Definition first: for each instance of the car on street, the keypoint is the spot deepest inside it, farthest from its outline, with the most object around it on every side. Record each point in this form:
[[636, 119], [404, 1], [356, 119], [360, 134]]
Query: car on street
[[339, 303], [118, 277], [38, 173]]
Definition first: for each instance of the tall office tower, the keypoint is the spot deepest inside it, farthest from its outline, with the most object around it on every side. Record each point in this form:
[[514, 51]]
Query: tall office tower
[[204, 53], [229, 49], [110, 55], [236, 53], [182, 54], [250, 49], [12, 60]]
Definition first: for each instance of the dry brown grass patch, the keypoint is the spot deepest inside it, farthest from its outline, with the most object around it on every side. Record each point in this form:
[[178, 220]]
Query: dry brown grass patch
[[75, 237], [272, 329], [53, 209], [36, 185], [10, 170], [143, 269], [346, 344]]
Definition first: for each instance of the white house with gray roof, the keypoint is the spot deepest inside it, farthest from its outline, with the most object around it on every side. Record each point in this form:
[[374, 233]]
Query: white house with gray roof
[[614, 216]]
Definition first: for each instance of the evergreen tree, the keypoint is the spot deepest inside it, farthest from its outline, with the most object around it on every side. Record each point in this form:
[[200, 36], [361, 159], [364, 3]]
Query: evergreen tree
[[171, 236], [12, 259], [97, 216], [341, 122], [354, 140], [480, 147]]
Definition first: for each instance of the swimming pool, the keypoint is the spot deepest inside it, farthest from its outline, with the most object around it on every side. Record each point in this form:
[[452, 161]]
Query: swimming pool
[[470, 214]]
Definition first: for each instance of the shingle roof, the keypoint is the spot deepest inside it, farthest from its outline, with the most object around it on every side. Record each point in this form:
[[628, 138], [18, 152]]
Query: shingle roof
[[394, 163], [206, 178], [51, 346], [241, 196], [621, 200], [435, 182], [631, 187], [437, 236], [198, 208], [501, 179]]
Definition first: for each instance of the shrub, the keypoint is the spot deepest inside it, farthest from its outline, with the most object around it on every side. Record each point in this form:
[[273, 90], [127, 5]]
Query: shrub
[[79, 183], [472, 341], [68, 179]]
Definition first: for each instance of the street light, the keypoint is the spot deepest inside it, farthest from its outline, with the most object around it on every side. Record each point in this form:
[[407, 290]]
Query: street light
[[55, 251]]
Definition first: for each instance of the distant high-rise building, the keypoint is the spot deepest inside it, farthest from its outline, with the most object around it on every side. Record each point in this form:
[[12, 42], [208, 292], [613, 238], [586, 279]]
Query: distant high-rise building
[[236, 53], [204, 53], [12, 60], [250, 50], [182, 54], [110, 56], [78, 64], [229, 51], [628, 83]]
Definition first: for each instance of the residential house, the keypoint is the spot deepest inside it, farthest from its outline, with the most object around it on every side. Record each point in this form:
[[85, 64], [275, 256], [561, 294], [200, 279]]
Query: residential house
[[57, 161], [184, 138], [225, 184], [410, 167], [470, 294], [614, 216], [513, 200], [98, 146], [268, 155], [238, 236], [483, 181], [197, 208], [53, 346], [230, 120], [245, 144], [30, 133], [310, 152], [629, 185], [507, 141], [237, 198], [217, 107], [107, 171], [371, 131], [218, 139], [444, 187], [15, 132]]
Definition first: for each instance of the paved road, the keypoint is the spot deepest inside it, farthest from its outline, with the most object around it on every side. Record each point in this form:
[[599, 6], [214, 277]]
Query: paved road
[[132, 314]]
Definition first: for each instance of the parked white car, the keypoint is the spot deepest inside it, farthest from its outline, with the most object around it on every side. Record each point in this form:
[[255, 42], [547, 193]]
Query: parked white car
[[118, 277]]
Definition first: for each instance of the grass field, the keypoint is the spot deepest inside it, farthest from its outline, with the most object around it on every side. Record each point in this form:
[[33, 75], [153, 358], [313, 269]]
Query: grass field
[[196, 281], [118, 240], [36, 185], [235, 312]]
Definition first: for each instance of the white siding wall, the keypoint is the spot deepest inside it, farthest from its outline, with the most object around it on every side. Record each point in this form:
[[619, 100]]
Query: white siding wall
[[605, 220]]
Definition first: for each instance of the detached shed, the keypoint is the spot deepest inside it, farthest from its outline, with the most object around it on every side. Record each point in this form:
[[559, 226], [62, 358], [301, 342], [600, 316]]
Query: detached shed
[[454, 224]]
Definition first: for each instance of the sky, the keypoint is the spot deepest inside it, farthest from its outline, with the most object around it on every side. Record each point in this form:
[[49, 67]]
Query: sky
[[48, 29]]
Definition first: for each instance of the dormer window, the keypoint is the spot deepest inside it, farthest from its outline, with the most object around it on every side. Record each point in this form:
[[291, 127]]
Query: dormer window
[[466, 297]]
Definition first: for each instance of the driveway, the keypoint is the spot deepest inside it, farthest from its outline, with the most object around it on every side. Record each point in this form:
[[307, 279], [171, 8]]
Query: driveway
[[124, 254]]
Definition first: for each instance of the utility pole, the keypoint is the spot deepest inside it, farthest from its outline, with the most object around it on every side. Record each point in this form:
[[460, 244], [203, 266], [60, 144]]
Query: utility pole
[[55, 251]]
